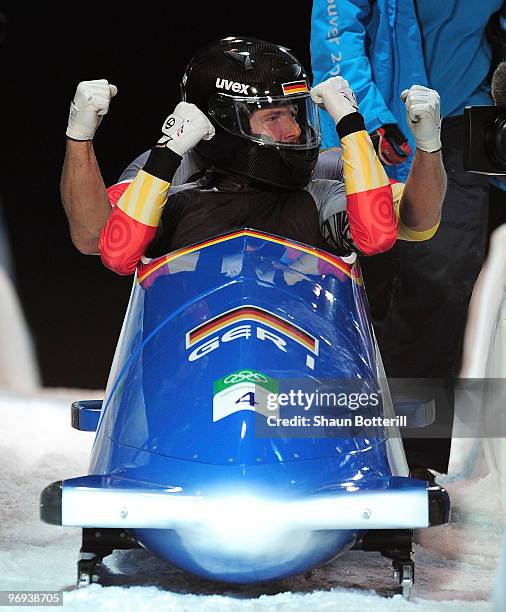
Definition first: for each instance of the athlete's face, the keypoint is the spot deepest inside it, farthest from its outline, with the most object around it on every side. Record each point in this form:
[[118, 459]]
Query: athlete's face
[[278, 123]]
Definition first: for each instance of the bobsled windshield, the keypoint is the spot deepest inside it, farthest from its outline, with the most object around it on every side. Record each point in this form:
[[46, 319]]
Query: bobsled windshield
[[287, 122]]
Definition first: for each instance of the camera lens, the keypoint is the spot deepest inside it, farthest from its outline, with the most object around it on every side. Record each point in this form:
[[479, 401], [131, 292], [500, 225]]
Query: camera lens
[[495, 139]]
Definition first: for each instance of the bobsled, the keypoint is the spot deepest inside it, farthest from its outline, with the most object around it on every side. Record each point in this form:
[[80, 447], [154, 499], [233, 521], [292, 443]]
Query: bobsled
[[247, 431]]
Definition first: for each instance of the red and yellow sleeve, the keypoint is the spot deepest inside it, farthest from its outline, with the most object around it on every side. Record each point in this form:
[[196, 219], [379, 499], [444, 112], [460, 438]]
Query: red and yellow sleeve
[[114, 192], [134, 219], [369, 200]]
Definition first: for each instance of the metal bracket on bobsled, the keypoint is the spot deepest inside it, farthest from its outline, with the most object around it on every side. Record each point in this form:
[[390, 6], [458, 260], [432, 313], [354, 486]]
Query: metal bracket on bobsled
[[85, 414], [96, 545], [417, 412], [216, 447], [397, 545]]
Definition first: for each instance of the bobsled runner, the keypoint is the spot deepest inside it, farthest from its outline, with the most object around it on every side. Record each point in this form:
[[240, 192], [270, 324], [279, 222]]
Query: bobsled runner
[[247, 432]]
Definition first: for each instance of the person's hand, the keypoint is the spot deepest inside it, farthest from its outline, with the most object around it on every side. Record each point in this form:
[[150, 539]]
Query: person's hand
[[336, 97], [90, 104], [390, 144], [184, 128], [424, 119]]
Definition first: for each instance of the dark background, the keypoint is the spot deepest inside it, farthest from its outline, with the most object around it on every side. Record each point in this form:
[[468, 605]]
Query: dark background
[[73, 305]]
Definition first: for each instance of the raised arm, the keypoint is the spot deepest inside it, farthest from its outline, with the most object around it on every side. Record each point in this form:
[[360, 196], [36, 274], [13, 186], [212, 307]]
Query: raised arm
[[369, 200], [82, 188], [134, 220], [420, 205]]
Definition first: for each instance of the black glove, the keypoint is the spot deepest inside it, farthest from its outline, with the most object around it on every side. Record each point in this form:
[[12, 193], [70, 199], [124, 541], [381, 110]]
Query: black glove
[[391, 145]]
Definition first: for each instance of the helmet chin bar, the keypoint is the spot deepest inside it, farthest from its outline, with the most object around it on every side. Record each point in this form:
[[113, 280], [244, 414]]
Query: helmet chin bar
[[272, 166]]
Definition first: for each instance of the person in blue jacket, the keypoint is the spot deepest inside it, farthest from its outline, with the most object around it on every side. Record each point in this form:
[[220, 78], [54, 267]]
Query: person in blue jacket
[[419, 293]]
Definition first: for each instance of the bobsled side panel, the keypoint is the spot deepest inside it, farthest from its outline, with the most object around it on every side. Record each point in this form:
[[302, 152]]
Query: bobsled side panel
[[210, 316], [176, 395]]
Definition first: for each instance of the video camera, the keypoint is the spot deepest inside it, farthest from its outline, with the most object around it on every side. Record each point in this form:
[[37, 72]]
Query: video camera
[[485, 139]]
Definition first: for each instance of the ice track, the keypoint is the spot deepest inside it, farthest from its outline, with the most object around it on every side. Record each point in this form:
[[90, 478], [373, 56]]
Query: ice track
[[455, 564]]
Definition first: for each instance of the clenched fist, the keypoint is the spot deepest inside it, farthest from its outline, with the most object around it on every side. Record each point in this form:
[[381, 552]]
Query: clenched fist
[[90, 104], [424, 119], [336, 97], [184, 128]]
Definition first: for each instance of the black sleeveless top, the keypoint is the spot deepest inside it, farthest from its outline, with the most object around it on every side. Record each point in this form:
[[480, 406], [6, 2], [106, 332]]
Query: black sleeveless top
[[223, 203]]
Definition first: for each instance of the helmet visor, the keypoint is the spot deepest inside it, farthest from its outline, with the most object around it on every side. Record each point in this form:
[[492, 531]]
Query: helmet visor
[[284, 122]]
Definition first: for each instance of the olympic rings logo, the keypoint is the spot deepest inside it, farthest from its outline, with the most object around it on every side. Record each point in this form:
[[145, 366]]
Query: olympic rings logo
[[245, 375]]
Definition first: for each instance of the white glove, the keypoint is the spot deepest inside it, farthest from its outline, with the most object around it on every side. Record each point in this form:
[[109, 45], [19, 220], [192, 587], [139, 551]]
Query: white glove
[[336, 97], [90, 104], [184, 128], [424, 119]]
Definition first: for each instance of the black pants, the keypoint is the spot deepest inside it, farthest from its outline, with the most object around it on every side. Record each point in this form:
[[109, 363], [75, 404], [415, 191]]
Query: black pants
[[419, 292]]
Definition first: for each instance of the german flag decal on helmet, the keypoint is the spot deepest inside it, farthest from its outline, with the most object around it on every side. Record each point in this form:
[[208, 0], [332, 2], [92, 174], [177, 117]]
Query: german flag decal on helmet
[[294, 87]]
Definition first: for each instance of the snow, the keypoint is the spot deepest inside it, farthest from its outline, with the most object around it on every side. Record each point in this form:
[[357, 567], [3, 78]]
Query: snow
[[20, 372], [455, 563]]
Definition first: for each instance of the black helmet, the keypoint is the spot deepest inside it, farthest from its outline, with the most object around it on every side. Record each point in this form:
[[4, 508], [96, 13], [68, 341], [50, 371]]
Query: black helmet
[[231, 81]]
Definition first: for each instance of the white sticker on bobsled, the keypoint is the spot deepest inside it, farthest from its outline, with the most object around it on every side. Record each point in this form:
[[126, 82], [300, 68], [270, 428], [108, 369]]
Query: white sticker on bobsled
[[242, 390], [198, 334]]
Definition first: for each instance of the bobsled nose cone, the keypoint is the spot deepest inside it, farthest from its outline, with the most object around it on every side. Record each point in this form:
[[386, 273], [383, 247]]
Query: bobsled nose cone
[[216, 557]]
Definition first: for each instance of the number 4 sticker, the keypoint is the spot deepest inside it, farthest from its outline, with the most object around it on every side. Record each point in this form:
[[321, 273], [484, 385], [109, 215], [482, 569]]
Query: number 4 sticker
[[247, 398]]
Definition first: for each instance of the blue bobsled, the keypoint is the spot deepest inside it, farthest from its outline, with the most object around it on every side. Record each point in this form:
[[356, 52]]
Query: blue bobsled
[[247, 433]]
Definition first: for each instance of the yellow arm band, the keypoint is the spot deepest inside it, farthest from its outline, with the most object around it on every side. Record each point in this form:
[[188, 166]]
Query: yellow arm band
[[405, 232]]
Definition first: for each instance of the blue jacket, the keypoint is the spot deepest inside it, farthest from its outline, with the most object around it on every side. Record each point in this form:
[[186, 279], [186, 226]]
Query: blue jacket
[[377, 46]]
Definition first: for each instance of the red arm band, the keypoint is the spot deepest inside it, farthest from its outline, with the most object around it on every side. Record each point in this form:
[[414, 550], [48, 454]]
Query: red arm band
[[116, 191], [123, 242], [373, 225]]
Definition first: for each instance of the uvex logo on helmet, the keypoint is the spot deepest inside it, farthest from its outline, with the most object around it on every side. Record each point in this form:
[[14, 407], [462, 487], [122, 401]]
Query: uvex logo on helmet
[[231, 86]]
